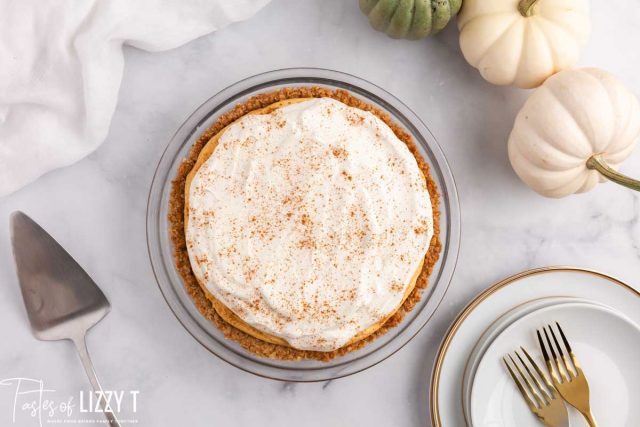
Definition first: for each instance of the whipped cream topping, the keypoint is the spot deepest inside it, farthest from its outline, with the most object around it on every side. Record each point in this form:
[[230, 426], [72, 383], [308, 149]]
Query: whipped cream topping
[[309, 222]]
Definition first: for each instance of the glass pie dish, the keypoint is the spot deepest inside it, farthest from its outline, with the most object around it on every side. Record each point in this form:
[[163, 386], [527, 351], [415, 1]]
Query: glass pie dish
[[161, 248]]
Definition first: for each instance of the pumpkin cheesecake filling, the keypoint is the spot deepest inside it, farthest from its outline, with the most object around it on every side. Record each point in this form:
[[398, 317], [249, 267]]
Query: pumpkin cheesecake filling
[[307, 223]]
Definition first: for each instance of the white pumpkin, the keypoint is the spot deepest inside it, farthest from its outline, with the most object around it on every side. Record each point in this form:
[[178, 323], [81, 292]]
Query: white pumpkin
[[573, 131], [522, 42]]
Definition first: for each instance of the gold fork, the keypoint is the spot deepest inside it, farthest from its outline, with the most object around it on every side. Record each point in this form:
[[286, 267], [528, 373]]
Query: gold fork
[[543, 400], [569, 380]]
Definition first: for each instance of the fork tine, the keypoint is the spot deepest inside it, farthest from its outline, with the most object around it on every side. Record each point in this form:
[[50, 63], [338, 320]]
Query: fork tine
[[564, 339], [545, 378], [542, 347], [553, 351], [565, 362], [552, 363], [541, 388], [568, 347], [539, 400], [546, 357], [520, 386]]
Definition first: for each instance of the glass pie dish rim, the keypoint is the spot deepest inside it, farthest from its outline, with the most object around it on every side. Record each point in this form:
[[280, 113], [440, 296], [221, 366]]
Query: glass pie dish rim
[[161, 251]]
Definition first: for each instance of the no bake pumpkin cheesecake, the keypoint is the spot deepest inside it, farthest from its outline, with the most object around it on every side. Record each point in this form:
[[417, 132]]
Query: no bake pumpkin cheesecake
[[308, 223]]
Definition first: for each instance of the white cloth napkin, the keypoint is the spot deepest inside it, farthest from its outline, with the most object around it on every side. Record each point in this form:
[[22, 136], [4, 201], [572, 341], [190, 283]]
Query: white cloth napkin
[[61, 65]]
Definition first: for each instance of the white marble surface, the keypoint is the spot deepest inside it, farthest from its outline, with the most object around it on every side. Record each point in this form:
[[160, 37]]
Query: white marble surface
[[96, 209]]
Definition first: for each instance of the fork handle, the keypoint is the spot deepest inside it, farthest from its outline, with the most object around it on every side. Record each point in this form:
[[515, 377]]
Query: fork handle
[[590, 420], [81, 346]]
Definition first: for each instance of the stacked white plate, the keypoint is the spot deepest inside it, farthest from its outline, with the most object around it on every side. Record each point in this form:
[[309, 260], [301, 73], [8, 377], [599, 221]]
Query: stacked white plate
[[600, 316]]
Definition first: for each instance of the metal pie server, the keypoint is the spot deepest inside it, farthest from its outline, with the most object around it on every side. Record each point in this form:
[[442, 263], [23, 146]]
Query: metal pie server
[[61, 299]]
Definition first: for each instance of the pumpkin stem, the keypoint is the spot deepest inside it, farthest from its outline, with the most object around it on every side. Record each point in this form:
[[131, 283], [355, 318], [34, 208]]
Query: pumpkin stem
[[598, 163], [525, 7]]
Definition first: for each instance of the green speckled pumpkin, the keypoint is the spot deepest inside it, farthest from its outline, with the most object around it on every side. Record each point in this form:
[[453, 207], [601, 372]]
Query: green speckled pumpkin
[[410, 19]]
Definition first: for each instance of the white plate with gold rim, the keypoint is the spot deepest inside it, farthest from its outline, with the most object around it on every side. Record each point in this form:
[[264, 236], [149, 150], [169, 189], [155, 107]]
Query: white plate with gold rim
[[496, 328], [446, 383], [607, 345]]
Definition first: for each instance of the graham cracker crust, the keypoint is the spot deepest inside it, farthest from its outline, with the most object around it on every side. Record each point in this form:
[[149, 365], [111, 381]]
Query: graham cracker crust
[[176, 221]]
